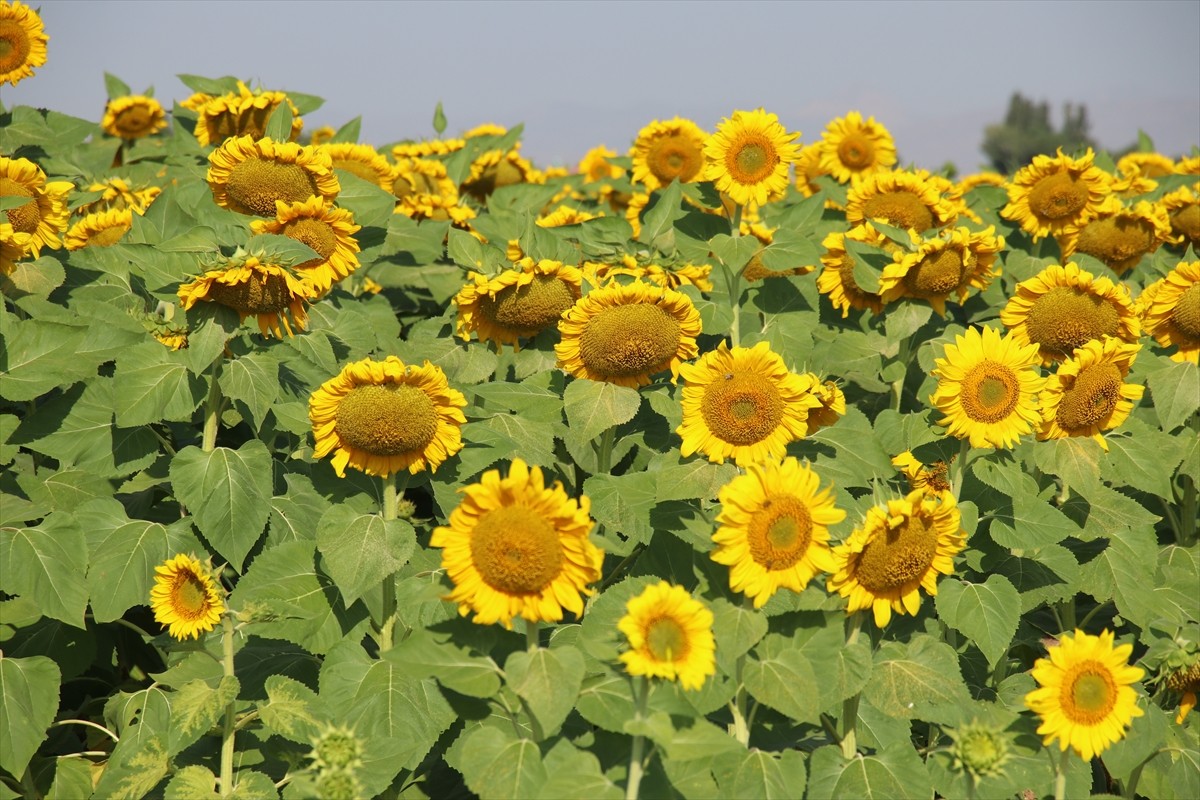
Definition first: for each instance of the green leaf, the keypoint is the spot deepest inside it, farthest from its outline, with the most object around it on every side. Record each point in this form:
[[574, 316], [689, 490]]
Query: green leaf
[[40, 277], [575, 773], [1175, 390], [348, 133], [700, 740], [39, 356], [211, 326], [622, 504], [595, 406], [771, 776], [736, 629], [213, 86], [1124, 573], [658, 221], [29, 689], [192, 783], [694, 479], [228, 492], [734, 252], [279, 124], [413, 242], [856, 459], [281, 249], [422, 656], [48, 564], [1044, 575], [787, 683], [115, 87], [362, 550], [905, 319], [526, 398], [1075, 459], [498, 766], [920, 680], [439, 119], [986, 613], [135, 767], [548, 681], [1144, 459], [869, 263], [195, 708], [72, 779], [292, 710], [372, 206], [254, 380], [251, 784], [895, 773], [156, 385], [1035, 523], [305, 103]]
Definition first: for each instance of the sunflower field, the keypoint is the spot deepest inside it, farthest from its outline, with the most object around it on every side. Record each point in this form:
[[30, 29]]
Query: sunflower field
[[738, 464]]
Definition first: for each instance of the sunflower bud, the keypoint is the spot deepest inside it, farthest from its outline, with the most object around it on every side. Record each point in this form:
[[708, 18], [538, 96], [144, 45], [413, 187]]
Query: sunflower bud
[[337, 749], [980, 750]]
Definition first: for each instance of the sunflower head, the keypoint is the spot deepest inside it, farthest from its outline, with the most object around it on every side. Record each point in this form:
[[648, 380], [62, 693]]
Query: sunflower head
[[670, 636], [980, 750], [1184, 679], [836, 280], [253, 286], [832, 404], [1088, 393], [329, 231], [22, 41], [133, 117], [1056, 194], [424, 190], [854, 146], [565, 215], [748, 157], [518, 303], [99, 229], [944, 266], [933, 478], [1183, 212], [1119, 235], [360, 160], [1170, 309], [14, 246], [186, 597], [244, 112], [668, 151], [45, 214], [249, 176], [908, 200]]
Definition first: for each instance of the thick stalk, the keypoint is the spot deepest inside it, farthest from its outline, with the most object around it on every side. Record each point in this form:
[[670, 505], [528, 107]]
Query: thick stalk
[[604, 451], [212, 409], [532, 635], [1060, 776], [850, 706], [230, 728], [641, 688], [387, 617], [959, 467], [733, 282]]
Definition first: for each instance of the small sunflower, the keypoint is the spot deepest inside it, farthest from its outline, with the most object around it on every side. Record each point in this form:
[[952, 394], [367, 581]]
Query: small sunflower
[[666, 151], [1064, 307], [595, 165], [99, 229], [322, 135], [625, 334], [133, 117], [1188, 165], [836, 280], [774, 529], [952, 263], [175, 340], [902, 198], [496, 169], [14, 246], [977, 179], [517, 303], [44, 216], [248, 176], [1152, 165], [901, 548], [987, 388], [251, 286], [1132, 184], [743, 404], [808, 169], [186, 598], [1183, 212], [242, 113], [854, 147], [933, 478], [381, 417], [22, 42], [832, 404], [1170, 309], [426, 148], [698, 275], [518, 548], [1055, 195], [327, 230], [1119, 235], [118, 193], [1186, 681], [1085, 693], [362, 161], [196, 101], [565, 215], [748, 157], [424, 190], [1088, 393], [670, 636], [633, 212]]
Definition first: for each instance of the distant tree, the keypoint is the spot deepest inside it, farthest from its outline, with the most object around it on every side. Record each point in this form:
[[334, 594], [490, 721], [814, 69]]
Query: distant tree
[[1027, 132]]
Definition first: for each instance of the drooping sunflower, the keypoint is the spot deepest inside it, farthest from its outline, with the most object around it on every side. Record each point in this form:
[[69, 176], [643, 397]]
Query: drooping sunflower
[[952, 263], [595, 165], [1088, 393], [133, 117], [195, 101], [326, 229], [185, 597], [1056, 194], [665, 151], [832, 404], [1170, 309], [424, 191], [515, 547], [251, 286], [565, 215], [496, 169], [22, 41], [45, 215], [381, 417], [748, 157], [1152, 165], [118, 193], [1119, 235], [624, 334], [901, 198], [987, 388], [99, 229], [518, 303], [244, 112], [14, 246], [1131, 183], [1064, 307], [774, 529], [1186, 681], [932, 478], [901, 548], [836, 280], [744, 404], [670, 636], [362, 161], [1183, 211], [1085, 693], [248, 176], [855, 146]]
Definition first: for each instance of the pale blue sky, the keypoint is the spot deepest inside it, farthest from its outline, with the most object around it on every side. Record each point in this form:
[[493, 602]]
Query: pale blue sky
[[585, 73]]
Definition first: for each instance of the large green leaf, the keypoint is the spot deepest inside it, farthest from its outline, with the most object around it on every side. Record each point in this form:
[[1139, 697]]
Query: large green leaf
[[362, 550], [39, 356], [498, 766], [1175, 389], [786, 682], [47, 563], [254, 380], [595, 406], [1035, 523], [622, 505], [196, 707], [986, 613], [891, 774], [29, 699], [762, 774], [155, 385], [422, 656], [1124, 573], [920, 680], [548, 681], [292, 710]]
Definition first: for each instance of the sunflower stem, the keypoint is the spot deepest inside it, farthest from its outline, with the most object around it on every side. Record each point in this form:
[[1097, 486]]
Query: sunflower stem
[[959, 470], [1131, 785], [387, 614], [1060, 776], [230, 728], [640, 690], [850, 706], [604, 451], [532, 635], [212, 409]]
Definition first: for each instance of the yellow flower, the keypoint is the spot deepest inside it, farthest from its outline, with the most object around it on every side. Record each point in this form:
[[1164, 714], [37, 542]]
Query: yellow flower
[[251, 286], [1170, 308], [425, 191], [1119, 235], [1085, 695], [517, 303], [854, 146], [515, 547], [625, 334], [837, 275], [44, 216], [327, 230], [14, 246], [1152, 165], [496, 169], [99, 229], [196, 101], [595, 165], [698, 275], [670, 636], [249, 176], [1183, 211], [748, 157], [241, 113], [915, 200], [1055, 195], [1088, 393], [381, 417], [949, 264], [1186, 681], [743, 403], [176, 340], [932, 478], [118, 193], [186, 598], [633, 212], [565, 215], [22, 41], [362, 161], [322, 135], [133, 117], [832, 404], [808, 169], [1064, 307], [426, 148], [987, 388], [665, 151], [1188, 165], [774, 529], [973, 180], [901, 548]]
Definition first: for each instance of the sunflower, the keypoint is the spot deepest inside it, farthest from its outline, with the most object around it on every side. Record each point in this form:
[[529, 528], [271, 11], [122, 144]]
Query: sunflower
[[1119, 235], [496, 169], [326, 229], [362, 161], [99, 229], [1088, 393], [949, 264], [118, 193], [517, 303], [595, 165], [565, 215], [1188, 165], [385, 416], [666, 151], [902, 198], [748, 157], [196, 101], [933, 478], [45, 214], [22, 42], [625, 334], [670, 636], [175, 340], [516, 547], [1170, 308], [485, 129], [1132, 184], [1152, 165], [1183, 211], [424, 191], [1186, 681], [249, 176], [744, 404], [901, 548], [1085, 695], [1064, 307], [249, 286], [854, 147], [244, 112], [808, 169], [987, 388], [1055, 195], [837, 275], [322, 135], [426, 148], [977, 179], [14, 245], [774, 529], [698, 275], [833, 404], [185, 597], [633, 212], [133, 117]]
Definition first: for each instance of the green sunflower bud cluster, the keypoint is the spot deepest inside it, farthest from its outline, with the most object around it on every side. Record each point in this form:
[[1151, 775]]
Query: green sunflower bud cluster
[[337, 748], [979, 749]]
